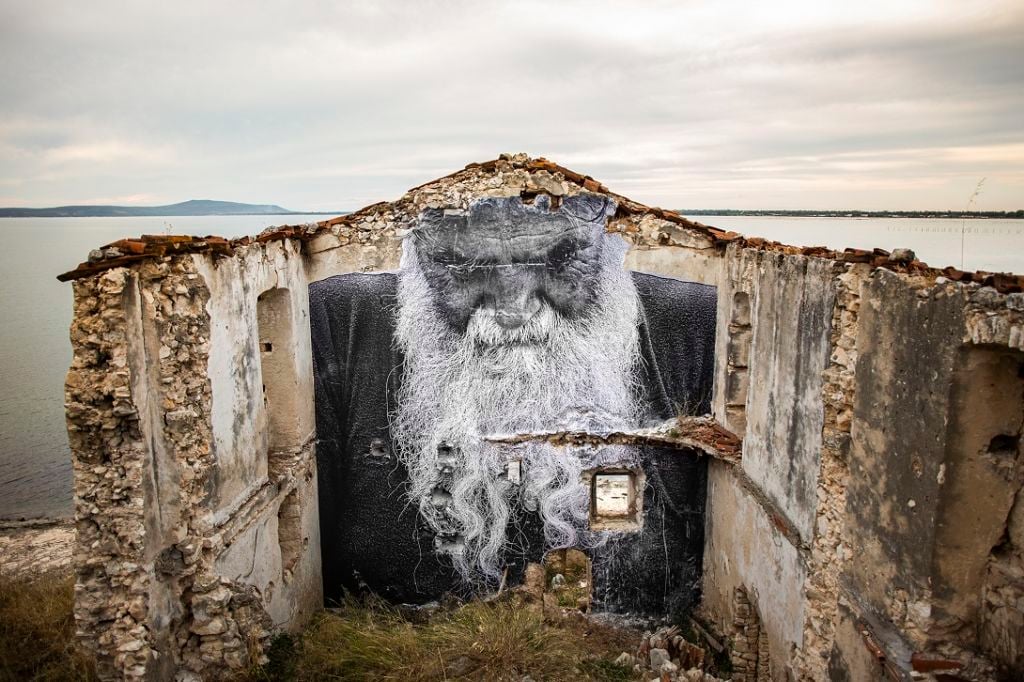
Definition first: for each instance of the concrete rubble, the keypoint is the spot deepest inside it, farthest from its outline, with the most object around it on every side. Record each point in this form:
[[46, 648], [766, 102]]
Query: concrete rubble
[[666, 656]]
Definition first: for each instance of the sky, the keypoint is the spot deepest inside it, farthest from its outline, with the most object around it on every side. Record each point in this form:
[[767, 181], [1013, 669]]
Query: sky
[[330, 106]]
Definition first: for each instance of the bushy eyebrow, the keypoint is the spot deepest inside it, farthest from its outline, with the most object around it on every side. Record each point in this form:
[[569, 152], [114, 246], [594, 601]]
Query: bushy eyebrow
[[452, 253]]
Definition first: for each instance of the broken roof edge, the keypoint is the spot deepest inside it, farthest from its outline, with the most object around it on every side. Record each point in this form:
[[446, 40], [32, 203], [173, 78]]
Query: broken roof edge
[[128, 251]]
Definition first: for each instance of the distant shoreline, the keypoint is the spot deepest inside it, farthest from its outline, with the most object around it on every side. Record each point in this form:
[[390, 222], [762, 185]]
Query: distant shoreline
[[192, 209], [988, 215], [952, 215]]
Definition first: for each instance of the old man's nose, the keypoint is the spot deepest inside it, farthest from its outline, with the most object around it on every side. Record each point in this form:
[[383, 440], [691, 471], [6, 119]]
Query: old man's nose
[[510, 321], [513, 311]]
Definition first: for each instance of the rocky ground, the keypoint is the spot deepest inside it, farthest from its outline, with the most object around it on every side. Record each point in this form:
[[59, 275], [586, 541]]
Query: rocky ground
[[665, 655], [558, 593], [35, 547], [562, 586]]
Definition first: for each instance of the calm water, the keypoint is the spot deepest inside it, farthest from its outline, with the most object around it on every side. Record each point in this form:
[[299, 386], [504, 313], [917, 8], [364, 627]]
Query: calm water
[[35, 469], [991, 245], [35, 466]]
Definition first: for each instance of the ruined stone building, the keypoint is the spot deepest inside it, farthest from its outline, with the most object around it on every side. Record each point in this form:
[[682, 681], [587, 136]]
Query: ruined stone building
[[814, 454]]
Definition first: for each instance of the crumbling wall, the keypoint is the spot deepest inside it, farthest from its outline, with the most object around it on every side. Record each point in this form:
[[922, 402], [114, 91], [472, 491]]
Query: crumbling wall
[[664, 248], [105, 432], [195, 482], [877, 408], [173, 473], [773, 346], [873, 527], [827, 551], [935, 472], [750, 654], [746, 549]]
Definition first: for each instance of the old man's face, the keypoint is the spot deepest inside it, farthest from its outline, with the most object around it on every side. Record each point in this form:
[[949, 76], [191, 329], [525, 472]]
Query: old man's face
[[505, 270]]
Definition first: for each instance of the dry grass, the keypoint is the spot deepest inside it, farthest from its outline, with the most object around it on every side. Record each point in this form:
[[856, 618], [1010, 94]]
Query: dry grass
[[502, 640], [37, 630], [370, 640]]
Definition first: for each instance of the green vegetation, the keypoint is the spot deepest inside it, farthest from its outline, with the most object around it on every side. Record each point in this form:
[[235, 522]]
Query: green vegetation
[[37, 630], [500, 640]]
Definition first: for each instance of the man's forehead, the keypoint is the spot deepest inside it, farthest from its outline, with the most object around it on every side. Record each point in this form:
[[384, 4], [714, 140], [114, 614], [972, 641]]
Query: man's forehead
[[510, 227]]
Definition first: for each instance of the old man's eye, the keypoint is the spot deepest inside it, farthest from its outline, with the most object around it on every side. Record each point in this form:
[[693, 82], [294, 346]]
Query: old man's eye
[[564, 254]]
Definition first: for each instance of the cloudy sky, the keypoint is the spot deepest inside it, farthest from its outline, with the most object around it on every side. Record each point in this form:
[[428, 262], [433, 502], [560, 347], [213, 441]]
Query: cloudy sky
[[898, 104]]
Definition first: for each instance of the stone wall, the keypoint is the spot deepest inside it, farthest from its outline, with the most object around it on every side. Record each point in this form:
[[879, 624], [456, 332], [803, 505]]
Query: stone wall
[[935, 476], [774, 334], [178, 493], [827, 551], [874, 525]]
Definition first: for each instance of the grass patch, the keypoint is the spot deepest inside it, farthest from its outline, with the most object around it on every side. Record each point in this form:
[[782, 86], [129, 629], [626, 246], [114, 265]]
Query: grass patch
[[502, 640], [37, 630], [369, 640]]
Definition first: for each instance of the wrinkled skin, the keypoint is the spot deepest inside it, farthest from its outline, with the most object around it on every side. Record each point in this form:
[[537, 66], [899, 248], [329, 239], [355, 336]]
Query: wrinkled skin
[[510, 258]]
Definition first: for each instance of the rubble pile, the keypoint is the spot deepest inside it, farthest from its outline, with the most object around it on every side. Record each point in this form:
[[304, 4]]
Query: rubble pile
[[665, 655]]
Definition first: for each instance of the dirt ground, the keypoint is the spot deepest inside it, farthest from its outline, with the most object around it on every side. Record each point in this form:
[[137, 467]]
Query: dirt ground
[[32, 548]]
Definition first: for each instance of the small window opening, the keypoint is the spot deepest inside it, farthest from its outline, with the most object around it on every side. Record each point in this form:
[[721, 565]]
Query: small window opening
[[612, 494], [514, 471], [615, 499], [378, 450]]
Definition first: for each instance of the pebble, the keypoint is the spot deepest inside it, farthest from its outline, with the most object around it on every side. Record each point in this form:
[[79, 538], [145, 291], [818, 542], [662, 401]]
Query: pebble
[[659, 657], [902, 256]]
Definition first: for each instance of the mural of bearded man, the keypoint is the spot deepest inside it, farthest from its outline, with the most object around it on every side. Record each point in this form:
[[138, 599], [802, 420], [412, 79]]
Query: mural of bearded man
[[506, 318]]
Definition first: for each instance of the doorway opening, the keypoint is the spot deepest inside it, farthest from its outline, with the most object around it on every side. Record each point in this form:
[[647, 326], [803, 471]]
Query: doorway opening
[[568, 579]]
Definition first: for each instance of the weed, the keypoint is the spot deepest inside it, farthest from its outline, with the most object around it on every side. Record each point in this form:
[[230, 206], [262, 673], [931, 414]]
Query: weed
[[37, 630], [500, 640]]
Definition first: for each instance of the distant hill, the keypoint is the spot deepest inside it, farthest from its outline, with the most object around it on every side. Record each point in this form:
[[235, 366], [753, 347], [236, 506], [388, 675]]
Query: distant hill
[[185, 208]]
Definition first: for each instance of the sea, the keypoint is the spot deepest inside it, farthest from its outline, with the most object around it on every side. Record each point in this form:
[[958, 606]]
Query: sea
[[35, 462]]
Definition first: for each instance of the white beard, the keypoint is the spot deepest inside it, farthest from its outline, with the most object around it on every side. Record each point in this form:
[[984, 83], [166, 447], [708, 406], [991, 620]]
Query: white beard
[[457, 389]]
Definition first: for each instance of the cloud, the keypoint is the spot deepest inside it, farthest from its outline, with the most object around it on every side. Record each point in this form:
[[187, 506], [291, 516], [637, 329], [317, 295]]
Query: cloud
[[113, 151], [334, 105]]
